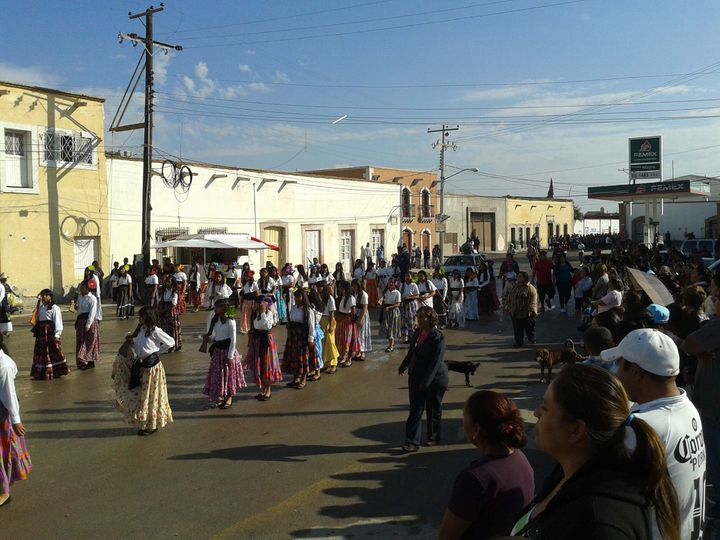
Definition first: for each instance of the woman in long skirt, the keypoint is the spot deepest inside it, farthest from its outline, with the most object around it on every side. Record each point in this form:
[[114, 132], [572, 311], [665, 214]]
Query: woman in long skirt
[[266, 286], [317, 306], [371, 285], [249, 293], [225, 375], [6, 325], [300, 356], [280, 303], [328, 326], [181, 281], [87, 330], [346, 333], [483, 293], [362, 316], [440, 299], [123, 293], [470, 307], [494, 300], [152, 284], [391, 327], [48, 359], [15, 461], [168, 311], [262, 358], [456, 314], [195, 283], [139, 376], [410, 294]]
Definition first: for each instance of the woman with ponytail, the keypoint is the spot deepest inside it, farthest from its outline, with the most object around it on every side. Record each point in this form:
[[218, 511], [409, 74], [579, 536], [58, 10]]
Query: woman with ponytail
[[491, 492], [611, 481]]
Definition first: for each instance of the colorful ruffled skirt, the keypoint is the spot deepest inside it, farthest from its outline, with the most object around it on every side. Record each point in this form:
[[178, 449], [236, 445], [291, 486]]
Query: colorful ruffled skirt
[[262, 359], [299, 356], [170, 324], [15, 461], [146, 406], [365, 334], [48, 359], [346, 337], [329, 349], [224, 378], [87, 343]]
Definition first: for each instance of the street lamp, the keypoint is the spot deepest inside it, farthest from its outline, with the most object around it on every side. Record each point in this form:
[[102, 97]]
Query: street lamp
[[441, 217]]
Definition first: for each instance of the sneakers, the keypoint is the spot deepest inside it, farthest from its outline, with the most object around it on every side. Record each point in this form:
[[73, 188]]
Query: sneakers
[[410, 447]]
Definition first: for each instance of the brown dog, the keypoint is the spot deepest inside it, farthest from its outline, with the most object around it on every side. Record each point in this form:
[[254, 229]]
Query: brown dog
[[548, 359]]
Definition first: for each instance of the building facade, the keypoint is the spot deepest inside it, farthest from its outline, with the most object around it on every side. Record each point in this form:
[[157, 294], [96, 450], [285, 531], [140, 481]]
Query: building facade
[[498, 221], [598, 222], [414, 212], [53, 187], [306, 216]]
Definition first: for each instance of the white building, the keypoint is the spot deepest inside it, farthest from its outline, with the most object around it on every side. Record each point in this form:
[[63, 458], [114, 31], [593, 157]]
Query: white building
[[699, 217], [306, 216], [598, 222]]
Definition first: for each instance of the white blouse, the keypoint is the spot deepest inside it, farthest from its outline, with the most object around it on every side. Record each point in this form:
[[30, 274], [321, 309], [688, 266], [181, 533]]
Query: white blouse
[[152, 279], [287, 280], [156, 341], [53, 314], [363, 300], [87, 303], [457, 288], [329, 307], [371, 274], [297, 315], [219, 291], [390, 298], [180, 276], [222, 331], [250, 288], [8, 396], [358, 273], [169, 296], [346, 304], [425, 288], [472, 283], [269, 287], [409, 289], [265, 322], [441, 285], [124, 280]]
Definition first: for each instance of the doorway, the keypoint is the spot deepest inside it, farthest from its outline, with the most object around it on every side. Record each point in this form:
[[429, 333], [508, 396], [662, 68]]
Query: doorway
[[275, 236], [347, 248], [312, 246], [483, 225], [85, 251]]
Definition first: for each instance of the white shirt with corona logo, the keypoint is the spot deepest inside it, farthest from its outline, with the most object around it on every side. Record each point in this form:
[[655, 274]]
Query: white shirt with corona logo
[[677, 423]]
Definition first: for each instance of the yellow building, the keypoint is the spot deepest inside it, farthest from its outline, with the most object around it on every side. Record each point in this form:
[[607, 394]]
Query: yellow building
[[416, 210], [53, 187]]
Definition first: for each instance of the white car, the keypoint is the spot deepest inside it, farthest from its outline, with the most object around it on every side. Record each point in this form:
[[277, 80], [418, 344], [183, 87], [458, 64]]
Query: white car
[[462, 262]]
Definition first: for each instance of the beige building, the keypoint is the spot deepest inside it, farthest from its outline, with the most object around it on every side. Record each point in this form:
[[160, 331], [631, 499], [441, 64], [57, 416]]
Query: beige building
[[53, 188], [306, 216], [498, 221], [414, 213]]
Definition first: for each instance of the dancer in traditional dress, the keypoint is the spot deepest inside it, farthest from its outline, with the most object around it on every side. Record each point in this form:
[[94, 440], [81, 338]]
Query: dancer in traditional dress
[[87, 329], [125, 307], [456, 314], [287, 283], [267, 286], [410, 295], [168, 312], [358, 270], [195, 282], [303, 281], [391, 327], [300, 356], [5, 324], [218, 290], [483, 293], [181, 282], [249, 292], [346, 335], [317, 306], [328, 325], [15, 461], [440, 298], [280, 303], [362, 318], [48, 360], [426, 289], [470, 307], [152, 283], [225, 375], [139, 376], [262, 358], [337, 276], [94, 281], [324, 275], [371, 285]]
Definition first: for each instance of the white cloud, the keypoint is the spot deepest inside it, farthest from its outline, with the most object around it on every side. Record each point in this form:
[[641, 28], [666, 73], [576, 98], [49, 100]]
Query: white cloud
[[244, 68], [27, 75], [497, 94], [259, 87], [161, 62], [201, 70], [281, 77], [249, 52]]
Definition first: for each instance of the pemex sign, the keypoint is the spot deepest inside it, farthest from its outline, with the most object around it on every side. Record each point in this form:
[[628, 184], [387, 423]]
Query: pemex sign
[[645, 157]]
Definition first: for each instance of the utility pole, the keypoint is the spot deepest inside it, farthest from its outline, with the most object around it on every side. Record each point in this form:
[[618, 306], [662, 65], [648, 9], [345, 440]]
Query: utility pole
[[149, 43], [443, 144]]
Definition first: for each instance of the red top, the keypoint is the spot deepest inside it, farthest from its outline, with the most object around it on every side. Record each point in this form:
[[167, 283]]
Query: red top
[[543, 271]]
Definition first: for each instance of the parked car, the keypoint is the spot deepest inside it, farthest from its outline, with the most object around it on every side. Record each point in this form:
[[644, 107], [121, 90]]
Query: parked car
[[462, 262], [708, 249]]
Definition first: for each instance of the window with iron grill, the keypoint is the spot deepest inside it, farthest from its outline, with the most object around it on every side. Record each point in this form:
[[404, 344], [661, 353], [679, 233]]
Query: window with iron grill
[[14, 143], [67, 148]]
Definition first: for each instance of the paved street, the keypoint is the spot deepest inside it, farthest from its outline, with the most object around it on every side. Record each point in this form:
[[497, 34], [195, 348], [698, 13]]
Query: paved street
[[324, 462]]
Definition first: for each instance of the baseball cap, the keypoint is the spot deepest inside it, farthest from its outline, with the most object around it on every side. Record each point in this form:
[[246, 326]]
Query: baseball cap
[[648, 348], [660, 314]]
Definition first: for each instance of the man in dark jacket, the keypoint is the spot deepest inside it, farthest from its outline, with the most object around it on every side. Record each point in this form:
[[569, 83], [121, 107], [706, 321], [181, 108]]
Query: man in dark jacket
[[427, 379]]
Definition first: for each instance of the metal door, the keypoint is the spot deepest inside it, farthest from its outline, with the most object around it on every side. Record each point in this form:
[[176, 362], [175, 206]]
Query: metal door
[[85, 252]]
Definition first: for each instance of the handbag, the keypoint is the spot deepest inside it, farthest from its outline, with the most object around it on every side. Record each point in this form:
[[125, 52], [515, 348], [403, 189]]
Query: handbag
[[204, 345]]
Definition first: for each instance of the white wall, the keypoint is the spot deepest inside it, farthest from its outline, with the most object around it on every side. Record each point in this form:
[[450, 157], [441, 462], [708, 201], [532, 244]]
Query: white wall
[[595, 226], [680, 218], [325, 204]]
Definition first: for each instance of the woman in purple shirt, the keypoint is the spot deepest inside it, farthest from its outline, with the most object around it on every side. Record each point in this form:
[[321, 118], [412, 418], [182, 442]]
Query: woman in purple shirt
[[491, 492]]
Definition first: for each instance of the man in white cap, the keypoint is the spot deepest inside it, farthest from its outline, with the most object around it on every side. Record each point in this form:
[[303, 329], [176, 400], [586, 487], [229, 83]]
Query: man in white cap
[[647, 363]]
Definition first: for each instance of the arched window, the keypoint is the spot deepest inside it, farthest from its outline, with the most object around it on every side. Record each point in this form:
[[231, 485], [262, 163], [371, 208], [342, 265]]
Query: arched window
[[426, 211], [407, 207]]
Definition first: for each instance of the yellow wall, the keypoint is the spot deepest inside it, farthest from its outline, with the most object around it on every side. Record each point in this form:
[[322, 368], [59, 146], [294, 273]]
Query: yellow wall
[[39, 225], [539, 212]]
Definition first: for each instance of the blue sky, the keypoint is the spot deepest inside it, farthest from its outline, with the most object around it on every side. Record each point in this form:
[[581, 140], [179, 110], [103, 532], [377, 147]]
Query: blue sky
[[259, 83]]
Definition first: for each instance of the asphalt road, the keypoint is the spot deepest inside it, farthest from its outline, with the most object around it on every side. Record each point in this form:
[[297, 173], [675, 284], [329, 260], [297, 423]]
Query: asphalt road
[[323, 462]]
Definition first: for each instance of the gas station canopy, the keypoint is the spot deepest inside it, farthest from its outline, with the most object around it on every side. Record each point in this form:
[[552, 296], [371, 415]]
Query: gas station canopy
[[673, 189]]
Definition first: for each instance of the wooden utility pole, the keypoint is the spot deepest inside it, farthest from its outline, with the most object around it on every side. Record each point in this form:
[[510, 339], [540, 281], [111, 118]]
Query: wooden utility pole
[[443, 146]]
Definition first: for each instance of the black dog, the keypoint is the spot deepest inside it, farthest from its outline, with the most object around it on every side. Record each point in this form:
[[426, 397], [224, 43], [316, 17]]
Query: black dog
[[468, 368]]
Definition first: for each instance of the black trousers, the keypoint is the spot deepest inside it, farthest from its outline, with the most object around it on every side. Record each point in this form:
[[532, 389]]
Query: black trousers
[[564, 292], [430, 401], [543, 291], [521, 326]]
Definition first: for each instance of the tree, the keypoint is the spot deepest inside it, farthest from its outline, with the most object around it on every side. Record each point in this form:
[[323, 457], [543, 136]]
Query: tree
[[578, 213]]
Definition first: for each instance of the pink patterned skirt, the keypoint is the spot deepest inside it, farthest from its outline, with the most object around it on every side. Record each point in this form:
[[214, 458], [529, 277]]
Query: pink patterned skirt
[[224, 378], [15, 461], [87, 343], [262, 359]]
